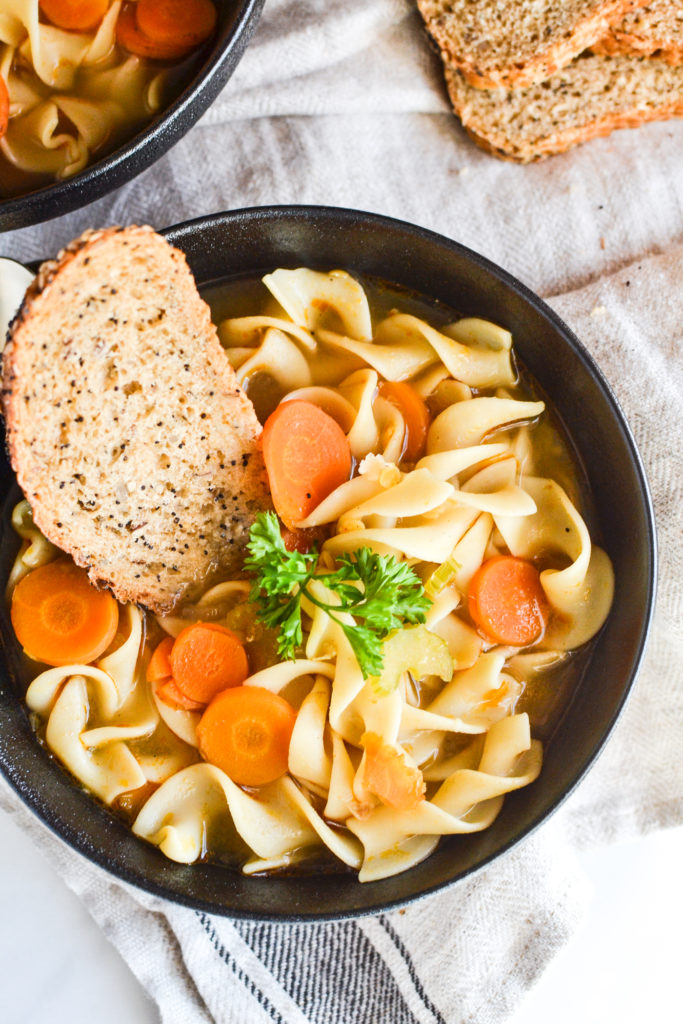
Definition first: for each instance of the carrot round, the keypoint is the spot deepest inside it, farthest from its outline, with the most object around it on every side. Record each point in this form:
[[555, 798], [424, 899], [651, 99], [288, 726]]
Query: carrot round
[[75, 15], [307, 456], [169, 693], [207, 658], [415, 415], [4, 107], [507, 602], [176, 22], [59, 617], [160, 664], [246, 732], [131, 38]]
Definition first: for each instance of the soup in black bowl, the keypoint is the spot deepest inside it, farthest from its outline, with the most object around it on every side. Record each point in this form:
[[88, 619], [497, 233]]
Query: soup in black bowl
[[565, 709]]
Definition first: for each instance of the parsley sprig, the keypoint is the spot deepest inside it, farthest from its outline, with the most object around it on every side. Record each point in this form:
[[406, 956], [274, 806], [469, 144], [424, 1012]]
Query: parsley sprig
[[377, 590]]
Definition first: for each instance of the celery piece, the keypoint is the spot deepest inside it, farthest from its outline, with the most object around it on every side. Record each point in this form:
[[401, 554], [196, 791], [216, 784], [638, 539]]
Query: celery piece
[[413, 649]]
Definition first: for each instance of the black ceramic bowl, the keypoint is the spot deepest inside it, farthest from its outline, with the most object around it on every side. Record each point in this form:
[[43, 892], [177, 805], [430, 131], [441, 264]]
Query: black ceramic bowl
[[257, 240], [237, 20]]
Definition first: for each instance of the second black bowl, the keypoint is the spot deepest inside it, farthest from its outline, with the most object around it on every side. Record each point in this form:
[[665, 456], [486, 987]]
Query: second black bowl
[[237, 20]]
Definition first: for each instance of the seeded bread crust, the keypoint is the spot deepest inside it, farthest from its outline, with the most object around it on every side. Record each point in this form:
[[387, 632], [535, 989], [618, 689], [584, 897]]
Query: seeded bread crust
[[656, 29], [517, 43], [126, 427], [591, 97]]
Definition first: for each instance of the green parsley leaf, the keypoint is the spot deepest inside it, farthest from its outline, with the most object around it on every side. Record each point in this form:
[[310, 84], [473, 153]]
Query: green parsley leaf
[[378, 591]]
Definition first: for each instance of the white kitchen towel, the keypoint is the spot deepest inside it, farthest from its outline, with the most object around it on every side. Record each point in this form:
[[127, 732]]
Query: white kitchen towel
[[344, 105]]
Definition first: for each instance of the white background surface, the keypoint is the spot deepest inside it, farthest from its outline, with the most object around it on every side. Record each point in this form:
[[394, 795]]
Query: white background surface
[[623, 965]]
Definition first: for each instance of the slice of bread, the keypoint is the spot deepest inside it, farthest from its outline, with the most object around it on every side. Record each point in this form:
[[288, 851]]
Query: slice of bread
[[656, 29], [591, 97], [126, 426], [517, 43]]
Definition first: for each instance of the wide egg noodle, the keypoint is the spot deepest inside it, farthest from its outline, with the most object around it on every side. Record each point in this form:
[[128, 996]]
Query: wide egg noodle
[[360, 389], [473, 699], [280, 358], [414, 494], [36, 143], [276, 825], [340, 797], [404, 346], [468, 353], [108, 769], [307, 295], [35, 549], [245, 333], [392, 429], [309, 760], [582, 593], [177, 815], [467, 423], [447, 465], [432, 541], [468, 801], [179, 721], [394, 355]]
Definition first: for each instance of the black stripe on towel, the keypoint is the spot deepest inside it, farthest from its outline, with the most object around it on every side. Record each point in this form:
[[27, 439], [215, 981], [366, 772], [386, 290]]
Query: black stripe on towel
[[260, 997], [414, 976], [331, 971]]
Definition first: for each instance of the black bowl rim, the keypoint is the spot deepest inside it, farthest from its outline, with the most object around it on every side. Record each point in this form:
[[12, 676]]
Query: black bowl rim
[[334, 216], [147, 146]]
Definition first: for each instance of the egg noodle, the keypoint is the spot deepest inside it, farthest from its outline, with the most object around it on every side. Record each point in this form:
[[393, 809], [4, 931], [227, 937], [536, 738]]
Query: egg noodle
[[450, 712]]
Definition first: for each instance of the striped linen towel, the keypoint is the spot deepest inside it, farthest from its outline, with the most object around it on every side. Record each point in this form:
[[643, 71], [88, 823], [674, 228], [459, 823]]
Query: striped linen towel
[[344, 105]]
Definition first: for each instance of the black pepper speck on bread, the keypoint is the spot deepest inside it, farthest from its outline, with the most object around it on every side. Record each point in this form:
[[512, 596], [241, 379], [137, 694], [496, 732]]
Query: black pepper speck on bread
[[129, 434]]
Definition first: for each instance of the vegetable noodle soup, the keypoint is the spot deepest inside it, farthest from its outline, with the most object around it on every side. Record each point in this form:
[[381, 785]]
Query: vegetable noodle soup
[[79, 77], [407, 628]]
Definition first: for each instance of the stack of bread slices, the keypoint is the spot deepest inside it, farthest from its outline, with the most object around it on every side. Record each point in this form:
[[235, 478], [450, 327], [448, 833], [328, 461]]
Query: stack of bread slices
[[529, 78]]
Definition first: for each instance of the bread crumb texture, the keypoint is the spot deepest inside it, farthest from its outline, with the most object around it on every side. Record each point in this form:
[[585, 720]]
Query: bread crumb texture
[[126, 427], [654, 30], [517, 43], [591, 97]]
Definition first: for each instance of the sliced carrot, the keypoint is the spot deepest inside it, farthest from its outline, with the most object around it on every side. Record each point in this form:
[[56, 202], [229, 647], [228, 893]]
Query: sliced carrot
[[131, 38], [307, 456], [4, 107], [415, 414], [246, 732], [159, 664], [159, 671], [169, 693], [59, 617], [176, 22], [207, 658], [506, 601], [387, 775], [75, 15]]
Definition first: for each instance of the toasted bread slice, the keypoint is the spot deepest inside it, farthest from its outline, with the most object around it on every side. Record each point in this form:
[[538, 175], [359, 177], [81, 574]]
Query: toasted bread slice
[[656, 29], [592, 96], [516, 43], [126, 427]]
